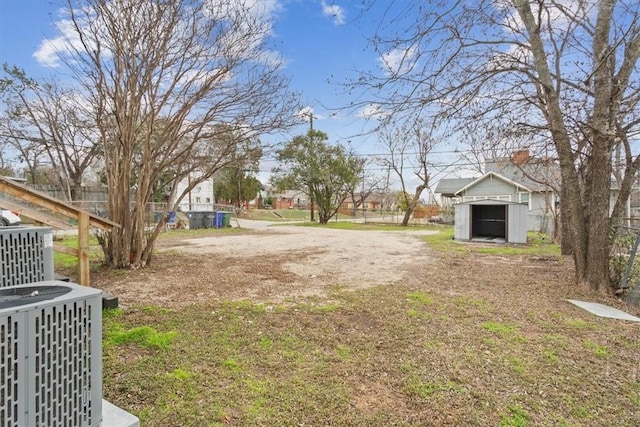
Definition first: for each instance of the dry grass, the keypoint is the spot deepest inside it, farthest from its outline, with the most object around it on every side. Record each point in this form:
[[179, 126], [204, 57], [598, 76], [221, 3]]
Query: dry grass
[[472, 339]]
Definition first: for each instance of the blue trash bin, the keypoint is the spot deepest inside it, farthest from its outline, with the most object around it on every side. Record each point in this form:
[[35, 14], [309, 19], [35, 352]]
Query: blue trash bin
[[219, 219]]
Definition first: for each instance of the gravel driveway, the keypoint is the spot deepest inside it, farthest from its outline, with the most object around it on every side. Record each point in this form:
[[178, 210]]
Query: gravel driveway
[[268, 262]]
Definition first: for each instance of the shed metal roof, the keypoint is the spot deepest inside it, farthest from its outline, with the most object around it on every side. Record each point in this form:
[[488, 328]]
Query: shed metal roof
[[490, 175]]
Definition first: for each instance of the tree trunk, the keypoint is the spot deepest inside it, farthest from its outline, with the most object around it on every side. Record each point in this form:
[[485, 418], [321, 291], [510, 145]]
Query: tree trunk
[[598, 188], [566, 247], [589, 248], [412, 205]]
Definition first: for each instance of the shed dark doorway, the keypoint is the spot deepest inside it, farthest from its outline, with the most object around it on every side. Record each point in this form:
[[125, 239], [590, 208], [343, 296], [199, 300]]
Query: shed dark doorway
[[488, 221]]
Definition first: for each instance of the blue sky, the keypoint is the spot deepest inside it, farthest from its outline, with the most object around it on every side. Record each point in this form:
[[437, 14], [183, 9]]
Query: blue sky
[[320, 40]]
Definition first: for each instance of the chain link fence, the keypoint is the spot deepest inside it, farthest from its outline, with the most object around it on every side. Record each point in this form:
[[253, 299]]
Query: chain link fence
[[624, 267]]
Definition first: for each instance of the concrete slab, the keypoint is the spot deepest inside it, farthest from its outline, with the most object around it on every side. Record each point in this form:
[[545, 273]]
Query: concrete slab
[[604, 310], [112, 416]]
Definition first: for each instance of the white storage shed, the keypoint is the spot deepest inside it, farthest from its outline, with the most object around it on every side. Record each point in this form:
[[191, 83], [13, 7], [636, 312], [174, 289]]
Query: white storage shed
[[491, 220]]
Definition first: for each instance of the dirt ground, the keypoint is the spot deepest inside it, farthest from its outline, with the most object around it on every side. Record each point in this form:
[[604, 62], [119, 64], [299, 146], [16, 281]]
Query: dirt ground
[[267, 263], [441, 338]]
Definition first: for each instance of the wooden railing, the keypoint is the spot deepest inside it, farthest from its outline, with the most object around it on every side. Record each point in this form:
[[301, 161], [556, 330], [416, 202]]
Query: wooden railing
[[85, 220]]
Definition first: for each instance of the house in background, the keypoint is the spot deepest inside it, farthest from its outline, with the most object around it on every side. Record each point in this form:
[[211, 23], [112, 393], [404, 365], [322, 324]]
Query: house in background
[[289, 199], [199, 199], [373, 201], [488, 205]]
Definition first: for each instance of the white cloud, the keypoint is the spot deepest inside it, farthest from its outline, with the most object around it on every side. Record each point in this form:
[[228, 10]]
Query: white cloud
[[373, 111], [334, 11], [398, 61], [50, 50], [306, 113], [264, 7], [559, 14]]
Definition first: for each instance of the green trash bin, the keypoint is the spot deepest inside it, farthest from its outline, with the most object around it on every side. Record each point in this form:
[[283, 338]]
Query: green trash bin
[[226, 219]]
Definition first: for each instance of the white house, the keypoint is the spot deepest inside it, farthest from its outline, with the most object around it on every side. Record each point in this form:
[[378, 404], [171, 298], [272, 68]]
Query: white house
[[200, 199]]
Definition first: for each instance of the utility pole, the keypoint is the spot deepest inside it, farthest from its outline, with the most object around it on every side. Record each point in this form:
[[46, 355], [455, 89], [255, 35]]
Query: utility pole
[[310, 189]]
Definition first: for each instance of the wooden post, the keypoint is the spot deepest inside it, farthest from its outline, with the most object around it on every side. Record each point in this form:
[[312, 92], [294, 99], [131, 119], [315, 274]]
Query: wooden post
[[84, 218], [83, 248]]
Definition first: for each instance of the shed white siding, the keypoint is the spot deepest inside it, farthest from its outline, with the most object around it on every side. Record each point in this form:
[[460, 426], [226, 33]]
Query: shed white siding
[[515, 218], [462, 224], [517, 223]]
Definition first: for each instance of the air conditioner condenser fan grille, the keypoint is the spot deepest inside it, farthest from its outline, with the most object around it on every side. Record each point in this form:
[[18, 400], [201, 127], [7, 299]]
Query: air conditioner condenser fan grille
[[15, 297]]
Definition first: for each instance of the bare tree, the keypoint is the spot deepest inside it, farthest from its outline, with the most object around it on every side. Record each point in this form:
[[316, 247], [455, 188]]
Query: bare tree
[[565, 70], [408, 147], [361, 191], [47, 122], [175, 86]]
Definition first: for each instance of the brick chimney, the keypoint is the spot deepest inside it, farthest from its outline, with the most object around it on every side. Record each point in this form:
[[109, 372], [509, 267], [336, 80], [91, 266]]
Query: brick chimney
[[520, 157]]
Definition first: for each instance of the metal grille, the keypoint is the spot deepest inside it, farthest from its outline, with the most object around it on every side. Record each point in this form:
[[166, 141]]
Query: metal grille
[[11, 391], [59, 376], [26, 254]]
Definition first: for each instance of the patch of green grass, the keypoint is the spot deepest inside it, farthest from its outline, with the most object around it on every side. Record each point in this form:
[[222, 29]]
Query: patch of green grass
[[111, 313], [154, 309], [266, 343], [515, 417], [144, 336], [504, 331], [598, 350], [371, 226], [517, 364], [552, 356], [501, 329], [232, 364], [580, 411], [344, 352], [420, 298], [579, 324], [180, 374], [416, 386], [467, 301], [443, 242], [64, 261], [634, 398], [276, 214]]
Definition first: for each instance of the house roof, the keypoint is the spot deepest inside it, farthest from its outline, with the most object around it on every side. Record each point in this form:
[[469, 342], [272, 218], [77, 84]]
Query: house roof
[[291, 194], [491, 175], [449, 186], [534, 175]]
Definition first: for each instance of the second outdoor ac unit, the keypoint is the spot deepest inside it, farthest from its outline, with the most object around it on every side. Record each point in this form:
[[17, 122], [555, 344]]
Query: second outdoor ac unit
[[50, 355]]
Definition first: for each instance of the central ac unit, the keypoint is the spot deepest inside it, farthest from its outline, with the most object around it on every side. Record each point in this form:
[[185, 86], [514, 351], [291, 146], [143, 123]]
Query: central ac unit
[[26, 254], [50, 355]]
